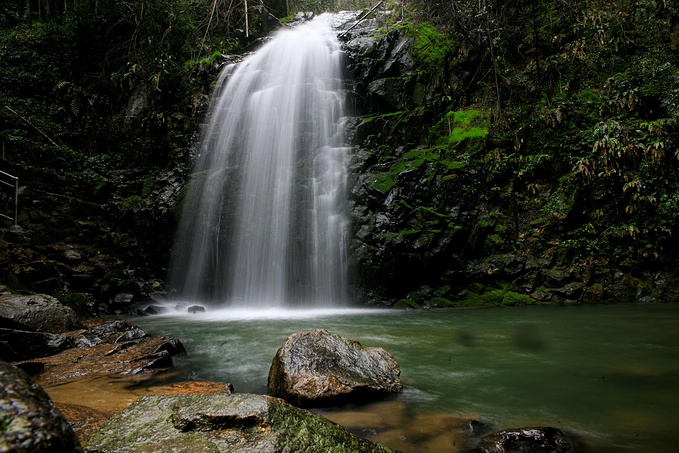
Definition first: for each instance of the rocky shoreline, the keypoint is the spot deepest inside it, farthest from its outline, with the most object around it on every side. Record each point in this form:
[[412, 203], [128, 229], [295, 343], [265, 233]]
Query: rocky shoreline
[[44, 344]]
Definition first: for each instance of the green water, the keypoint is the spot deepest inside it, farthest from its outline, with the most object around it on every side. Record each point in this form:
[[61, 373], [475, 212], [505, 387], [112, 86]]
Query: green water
[[608, 373]]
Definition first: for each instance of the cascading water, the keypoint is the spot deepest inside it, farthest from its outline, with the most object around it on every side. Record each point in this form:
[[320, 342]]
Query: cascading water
[[262, 224]]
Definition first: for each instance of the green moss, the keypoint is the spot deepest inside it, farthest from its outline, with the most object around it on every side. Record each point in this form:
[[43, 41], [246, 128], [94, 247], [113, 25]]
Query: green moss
[[73, 300], [440, 302], [439, 292], [381, 181], [113, 275], [406, 304], [131, 202], [398, 237], [149, 186], [458, 126], [496, 297], [432, 48], [10, 280]]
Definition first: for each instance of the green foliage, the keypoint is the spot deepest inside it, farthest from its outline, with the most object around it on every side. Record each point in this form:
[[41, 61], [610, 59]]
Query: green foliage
[[458, 126], [123, 93], [432, 48], [74, 300]]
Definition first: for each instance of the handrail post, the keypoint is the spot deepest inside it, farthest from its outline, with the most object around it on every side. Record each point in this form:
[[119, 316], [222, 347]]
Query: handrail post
[[16, 201], [4, 213]]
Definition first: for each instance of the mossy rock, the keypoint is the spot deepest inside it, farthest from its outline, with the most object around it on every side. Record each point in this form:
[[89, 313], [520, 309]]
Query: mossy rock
[[439, 302], [405, 304], [497, 297], [222, 423]]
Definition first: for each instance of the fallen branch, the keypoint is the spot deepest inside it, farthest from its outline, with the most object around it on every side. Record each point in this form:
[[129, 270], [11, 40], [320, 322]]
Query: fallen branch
[[361, 19]]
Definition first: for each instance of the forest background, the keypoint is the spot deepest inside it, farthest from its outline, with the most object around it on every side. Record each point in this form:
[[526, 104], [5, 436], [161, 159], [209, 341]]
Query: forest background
[[553, 124]]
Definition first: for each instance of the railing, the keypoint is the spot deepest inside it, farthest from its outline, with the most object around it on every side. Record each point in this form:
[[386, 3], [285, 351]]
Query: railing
[[9, 197]]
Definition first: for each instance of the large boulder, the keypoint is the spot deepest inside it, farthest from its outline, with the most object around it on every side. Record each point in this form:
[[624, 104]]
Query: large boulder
[[529, 440], [16, 345], [37, 312], [222, 423], [317, 368], [28, 419]]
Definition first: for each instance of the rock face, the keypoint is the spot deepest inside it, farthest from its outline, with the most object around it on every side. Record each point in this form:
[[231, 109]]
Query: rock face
[[222, 423], [316, 368], [37, 312], [28, 419], [530, 440]]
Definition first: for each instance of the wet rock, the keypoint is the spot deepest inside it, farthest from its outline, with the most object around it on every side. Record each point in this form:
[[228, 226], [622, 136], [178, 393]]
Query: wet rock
[[196, 309], [17, 345], [316, 368], [148, 355], [113, 331], [571, 291], [222, 423], [29, 421], [171, 345], [529, 440], [38, 312], [155, 310], [107, 347], [85, 421]]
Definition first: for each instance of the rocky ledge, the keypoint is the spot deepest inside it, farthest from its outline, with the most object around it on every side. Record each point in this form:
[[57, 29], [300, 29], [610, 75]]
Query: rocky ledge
[[47, 340], [222, 423]]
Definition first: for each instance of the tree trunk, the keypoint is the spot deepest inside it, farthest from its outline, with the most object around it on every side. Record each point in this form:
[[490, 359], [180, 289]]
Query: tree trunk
[[247, 31]]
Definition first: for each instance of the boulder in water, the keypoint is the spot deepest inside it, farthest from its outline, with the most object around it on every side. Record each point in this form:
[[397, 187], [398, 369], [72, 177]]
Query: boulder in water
[[222, 423], [28, 419], [196, 309], [316, 368], [530, 440]]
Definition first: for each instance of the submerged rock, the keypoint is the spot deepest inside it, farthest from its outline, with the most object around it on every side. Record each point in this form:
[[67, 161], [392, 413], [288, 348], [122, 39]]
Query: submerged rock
[[28, 420], [318, 367], [222, 423], [529, 440], [37, 312]]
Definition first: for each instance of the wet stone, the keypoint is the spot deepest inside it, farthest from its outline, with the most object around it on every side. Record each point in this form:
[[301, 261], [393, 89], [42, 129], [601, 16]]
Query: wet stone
[[319, 368]]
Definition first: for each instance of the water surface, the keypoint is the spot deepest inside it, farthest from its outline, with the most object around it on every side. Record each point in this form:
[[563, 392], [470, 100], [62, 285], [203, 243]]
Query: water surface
[[607, 373]]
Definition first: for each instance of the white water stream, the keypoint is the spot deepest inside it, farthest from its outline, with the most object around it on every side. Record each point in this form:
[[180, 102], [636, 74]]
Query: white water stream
[[262, 223]]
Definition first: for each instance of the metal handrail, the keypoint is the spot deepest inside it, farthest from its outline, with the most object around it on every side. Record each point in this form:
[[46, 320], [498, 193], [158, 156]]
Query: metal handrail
[[16, 196]]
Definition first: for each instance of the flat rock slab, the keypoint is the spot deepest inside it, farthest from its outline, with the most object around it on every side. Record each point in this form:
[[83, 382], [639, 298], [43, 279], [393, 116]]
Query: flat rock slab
[[105, 347], [150, 354], [318, 368], [222, 423]]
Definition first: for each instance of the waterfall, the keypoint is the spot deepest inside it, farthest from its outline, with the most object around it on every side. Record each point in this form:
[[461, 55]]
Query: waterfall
[[263, 222]]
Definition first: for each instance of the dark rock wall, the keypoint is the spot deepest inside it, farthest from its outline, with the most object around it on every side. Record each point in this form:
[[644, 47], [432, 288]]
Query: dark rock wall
[[437, 221]]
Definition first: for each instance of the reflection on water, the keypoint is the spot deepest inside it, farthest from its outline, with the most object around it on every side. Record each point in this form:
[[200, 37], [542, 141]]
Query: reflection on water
[[608, 373]]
